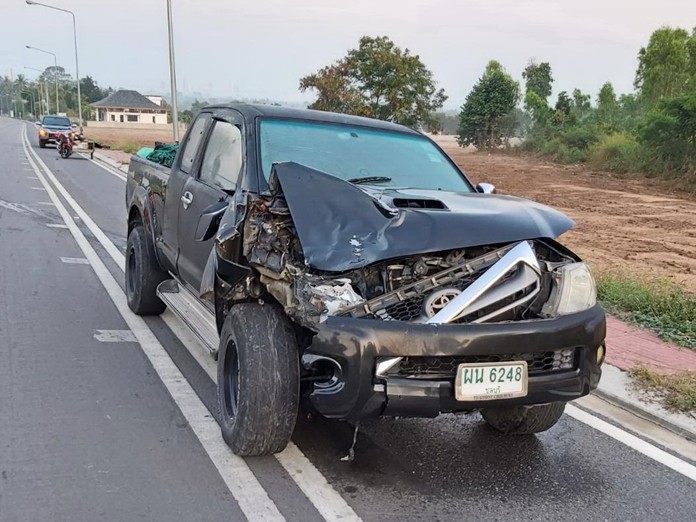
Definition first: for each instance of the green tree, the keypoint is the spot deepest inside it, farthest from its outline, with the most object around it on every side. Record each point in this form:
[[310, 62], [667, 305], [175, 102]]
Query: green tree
[[377, 80], [537, 78], [582, 106], [669, 133], [537, 108], [196, 106], [631, 112], [563, 111], [608, 108], [91, 91], [186, 116], [538, 81], [666, 66], [483, 115]]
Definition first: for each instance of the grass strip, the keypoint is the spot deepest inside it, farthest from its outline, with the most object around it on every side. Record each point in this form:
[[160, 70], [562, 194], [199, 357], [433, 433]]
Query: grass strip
[[661, 307]]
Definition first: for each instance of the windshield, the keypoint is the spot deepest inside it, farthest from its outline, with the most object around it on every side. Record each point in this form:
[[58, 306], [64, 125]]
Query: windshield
[[370, 156], [56, 121]]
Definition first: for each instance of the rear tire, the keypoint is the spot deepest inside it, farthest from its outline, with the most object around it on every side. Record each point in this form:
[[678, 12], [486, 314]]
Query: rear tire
[[42, 144], [524, 420], [258, 379], [143, 274]]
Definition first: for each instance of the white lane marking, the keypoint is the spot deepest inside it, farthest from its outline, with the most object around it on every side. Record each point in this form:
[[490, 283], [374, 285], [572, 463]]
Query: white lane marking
[[115, 336], [633, 442], [309, 479], [32, 177], [110, 170], [638, 425], [37, 188], [246, 489], [74, 260], [56, 225], [324, 497], [47, 203], [313, 484]]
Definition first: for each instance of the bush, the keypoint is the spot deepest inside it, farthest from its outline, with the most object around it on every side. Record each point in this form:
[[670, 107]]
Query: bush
[[569, 155], [562, 145], [616, 152], [580, 137]]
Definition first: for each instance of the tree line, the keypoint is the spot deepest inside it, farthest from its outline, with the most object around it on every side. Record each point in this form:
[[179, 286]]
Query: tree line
[[30, 98], [652, 129]]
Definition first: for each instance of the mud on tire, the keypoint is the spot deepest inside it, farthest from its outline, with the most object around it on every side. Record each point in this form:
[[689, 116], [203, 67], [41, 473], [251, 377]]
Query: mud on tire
[[524, 420], [258, 379], [143, 274]]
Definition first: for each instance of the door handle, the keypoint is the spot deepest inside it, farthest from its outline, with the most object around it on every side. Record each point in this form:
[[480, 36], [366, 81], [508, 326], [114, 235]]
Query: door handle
[[186, 199]]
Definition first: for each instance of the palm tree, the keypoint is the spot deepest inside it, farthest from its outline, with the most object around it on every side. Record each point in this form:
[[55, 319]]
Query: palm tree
[[20, 81]]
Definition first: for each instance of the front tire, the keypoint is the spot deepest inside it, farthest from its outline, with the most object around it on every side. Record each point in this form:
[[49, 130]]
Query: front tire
[[524, 420], [258, 379], [143, 274], [42, 144]]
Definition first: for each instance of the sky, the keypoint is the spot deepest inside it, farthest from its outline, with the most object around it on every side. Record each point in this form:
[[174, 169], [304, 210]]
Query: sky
[[261, 48]]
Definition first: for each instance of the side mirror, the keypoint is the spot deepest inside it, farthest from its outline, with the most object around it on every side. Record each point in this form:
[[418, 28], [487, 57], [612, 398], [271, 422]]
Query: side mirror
[[74, 125], [485, 188], [37, 123]]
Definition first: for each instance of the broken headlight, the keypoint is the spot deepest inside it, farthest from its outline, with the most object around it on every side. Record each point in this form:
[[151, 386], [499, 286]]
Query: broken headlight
[[574, 290]]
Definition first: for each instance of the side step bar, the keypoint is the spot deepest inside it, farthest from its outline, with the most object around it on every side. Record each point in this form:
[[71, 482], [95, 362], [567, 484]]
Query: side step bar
[[194, 314]]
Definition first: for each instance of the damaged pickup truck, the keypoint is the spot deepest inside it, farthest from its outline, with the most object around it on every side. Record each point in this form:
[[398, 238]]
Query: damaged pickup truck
[[349, 263]]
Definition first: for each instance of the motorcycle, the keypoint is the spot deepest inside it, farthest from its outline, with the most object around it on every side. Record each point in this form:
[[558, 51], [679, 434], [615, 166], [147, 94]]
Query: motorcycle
[[65, 144]]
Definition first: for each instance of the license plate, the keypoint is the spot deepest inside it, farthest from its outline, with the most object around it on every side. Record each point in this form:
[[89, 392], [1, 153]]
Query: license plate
[[491, 381]]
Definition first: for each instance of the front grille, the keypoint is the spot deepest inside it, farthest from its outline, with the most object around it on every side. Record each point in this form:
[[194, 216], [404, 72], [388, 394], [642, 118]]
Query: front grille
[[538, 363]]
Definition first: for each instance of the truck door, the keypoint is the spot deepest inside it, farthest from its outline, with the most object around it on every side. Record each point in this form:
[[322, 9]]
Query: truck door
[[215, 181], [184, 167]]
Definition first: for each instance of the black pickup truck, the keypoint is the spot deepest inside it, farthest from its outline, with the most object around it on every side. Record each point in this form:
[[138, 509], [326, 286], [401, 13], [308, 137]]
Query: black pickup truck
[[348, 263]]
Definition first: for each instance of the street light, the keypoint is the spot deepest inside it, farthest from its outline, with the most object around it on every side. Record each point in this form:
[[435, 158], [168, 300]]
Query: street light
[[55, 70], [172, 72], [77, 67]]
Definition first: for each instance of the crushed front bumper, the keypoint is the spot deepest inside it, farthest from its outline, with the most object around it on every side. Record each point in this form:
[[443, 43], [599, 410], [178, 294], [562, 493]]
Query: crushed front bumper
[[353, 347]]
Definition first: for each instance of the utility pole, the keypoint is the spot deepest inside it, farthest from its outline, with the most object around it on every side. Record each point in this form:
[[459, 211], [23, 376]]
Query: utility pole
[[55, 71], [172, 73]]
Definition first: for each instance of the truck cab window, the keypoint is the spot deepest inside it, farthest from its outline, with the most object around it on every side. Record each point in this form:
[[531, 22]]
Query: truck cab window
[[222, 160], [193, 142]]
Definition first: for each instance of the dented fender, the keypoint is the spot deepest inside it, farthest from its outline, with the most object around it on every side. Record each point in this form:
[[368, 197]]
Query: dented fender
[[227, 247]]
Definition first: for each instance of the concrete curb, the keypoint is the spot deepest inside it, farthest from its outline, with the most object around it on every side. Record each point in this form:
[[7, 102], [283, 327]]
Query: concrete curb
[[615, 388], [110, 162]]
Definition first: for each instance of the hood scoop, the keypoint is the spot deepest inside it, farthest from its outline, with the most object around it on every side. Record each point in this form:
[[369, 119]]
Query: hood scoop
[[430, 204]]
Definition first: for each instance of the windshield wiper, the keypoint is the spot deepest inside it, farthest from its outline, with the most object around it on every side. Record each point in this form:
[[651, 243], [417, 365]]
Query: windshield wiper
[[370, 179]]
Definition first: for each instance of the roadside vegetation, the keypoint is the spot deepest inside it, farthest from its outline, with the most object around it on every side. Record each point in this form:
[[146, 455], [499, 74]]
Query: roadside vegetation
[[651, 130], [659, 306], [30, 98], [676, 392]]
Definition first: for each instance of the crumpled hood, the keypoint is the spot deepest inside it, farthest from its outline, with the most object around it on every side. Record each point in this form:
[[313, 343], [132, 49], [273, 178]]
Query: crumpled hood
[[342, 227]]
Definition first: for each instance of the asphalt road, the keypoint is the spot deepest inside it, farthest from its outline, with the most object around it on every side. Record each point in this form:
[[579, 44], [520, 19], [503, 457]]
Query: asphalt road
[[104, 416]]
